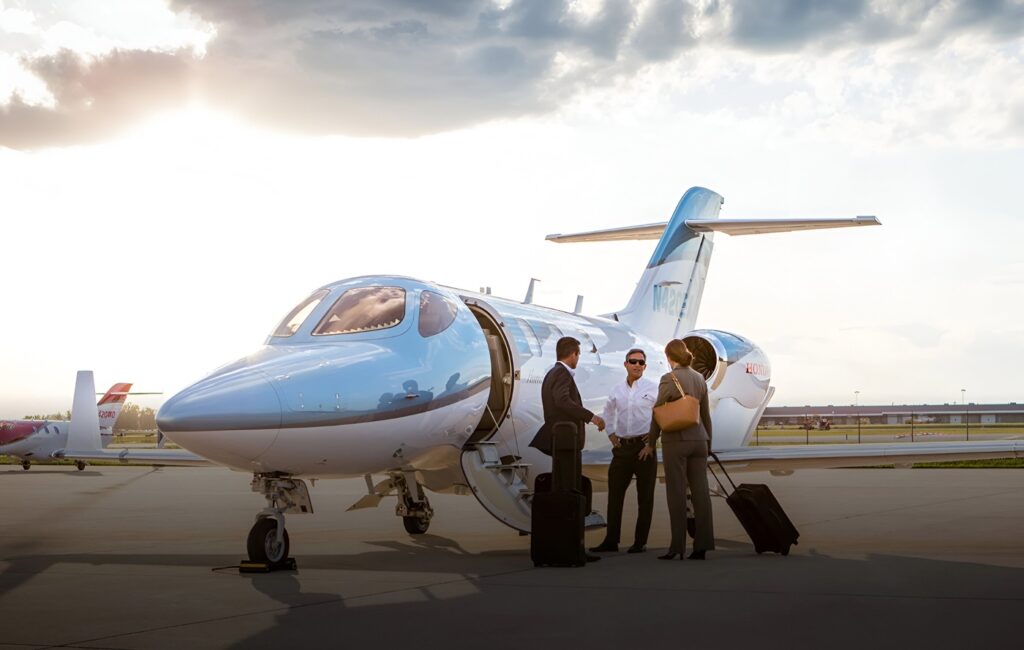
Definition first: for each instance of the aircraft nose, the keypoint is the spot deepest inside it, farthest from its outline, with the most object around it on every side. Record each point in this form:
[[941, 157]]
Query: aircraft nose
[[230, 418]]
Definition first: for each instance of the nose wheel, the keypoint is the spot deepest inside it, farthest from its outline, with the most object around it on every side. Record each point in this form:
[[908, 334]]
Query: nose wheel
[[265, 545], [25, 464], [268, 543], [80, 464]]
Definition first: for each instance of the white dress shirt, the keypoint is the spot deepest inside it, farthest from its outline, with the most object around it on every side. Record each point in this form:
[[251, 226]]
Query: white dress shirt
[[627, 413]]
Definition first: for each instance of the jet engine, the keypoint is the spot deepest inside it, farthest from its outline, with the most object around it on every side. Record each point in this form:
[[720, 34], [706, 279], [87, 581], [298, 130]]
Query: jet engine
[[738, 375]]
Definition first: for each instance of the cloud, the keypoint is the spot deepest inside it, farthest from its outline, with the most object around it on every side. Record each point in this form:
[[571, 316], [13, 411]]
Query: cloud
[[94, 98], [791, 23], [412, 67]]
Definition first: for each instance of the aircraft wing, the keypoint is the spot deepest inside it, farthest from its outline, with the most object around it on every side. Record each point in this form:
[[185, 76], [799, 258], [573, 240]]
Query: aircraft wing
[[163, 457], [734, 227], [793, 457]]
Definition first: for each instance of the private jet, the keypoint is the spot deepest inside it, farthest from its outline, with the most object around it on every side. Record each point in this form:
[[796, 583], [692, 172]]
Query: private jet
[[434, 388], [46, 440]]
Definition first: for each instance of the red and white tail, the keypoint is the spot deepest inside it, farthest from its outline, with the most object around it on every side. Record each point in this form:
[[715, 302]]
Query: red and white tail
[[109, 406]]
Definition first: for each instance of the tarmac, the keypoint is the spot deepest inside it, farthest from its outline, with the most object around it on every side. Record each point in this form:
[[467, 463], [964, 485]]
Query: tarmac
[[130, 557]]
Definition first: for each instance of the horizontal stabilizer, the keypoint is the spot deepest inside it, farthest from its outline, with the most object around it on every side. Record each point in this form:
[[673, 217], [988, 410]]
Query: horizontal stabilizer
[[626, 233], [727, 226], [766, 226]]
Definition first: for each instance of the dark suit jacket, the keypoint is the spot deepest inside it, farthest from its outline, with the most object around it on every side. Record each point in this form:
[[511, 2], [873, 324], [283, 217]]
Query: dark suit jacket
[[693, 383], [562, 403]]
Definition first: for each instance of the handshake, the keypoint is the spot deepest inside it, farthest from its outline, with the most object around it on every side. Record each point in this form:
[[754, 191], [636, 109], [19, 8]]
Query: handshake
[[598, 421]]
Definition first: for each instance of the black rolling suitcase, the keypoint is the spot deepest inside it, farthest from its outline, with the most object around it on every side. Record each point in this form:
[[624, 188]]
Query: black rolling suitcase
[[558, 513], [759, 511]]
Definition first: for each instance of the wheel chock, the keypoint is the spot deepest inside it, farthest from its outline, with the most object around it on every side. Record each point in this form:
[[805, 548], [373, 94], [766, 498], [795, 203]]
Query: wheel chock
[[248, 566]]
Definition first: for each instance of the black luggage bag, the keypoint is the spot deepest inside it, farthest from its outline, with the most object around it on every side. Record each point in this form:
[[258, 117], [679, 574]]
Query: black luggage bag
[[543, 483], [760, 514], [558, 513]]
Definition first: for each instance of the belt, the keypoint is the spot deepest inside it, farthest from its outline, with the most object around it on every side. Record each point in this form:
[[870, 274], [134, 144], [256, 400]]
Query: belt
[[631, 440]]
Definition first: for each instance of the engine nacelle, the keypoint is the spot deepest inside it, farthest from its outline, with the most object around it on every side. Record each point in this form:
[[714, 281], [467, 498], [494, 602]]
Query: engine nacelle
[[738, 375]]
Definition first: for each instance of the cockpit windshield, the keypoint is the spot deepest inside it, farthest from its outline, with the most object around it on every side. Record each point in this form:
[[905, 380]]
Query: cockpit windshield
[[295, 317], [364, 309]]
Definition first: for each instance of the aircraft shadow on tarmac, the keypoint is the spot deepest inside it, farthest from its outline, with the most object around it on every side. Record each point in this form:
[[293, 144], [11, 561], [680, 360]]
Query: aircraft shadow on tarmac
[[808, 598]]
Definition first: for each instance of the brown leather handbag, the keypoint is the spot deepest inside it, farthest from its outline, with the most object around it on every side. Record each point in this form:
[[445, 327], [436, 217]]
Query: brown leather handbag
[[680, 414]]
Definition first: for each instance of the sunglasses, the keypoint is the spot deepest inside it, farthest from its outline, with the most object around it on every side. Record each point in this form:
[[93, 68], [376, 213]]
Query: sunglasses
[[636, 362]]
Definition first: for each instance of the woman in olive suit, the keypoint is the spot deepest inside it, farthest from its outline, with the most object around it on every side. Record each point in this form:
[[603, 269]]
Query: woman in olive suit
[[684, 455]]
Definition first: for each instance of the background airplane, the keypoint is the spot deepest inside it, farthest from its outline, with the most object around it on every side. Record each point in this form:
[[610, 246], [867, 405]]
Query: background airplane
[[439, 388], [45, 440]]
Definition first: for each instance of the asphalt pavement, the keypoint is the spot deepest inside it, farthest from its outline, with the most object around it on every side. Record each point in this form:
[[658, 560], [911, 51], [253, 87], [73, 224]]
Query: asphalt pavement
[[131, 557]]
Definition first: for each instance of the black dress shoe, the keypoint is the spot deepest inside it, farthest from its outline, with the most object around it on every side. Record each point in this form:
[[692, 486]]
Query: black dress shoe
[[637, 549], [669, 556], [696, 555], [592, 558], [605, 548]]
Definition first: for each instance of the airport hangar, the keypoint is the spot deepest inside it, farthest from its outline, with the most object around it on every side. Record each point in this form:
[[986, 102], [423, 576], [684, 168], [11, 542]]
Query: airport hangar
[[981, 414]]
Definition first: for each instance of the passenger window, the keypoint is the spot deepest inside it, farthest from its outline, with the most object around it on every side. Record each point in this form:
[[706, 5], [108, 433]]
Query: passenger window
[[293, 321], [547, 334], [365, 309], [437, 313], [522, 336], [586, 344]]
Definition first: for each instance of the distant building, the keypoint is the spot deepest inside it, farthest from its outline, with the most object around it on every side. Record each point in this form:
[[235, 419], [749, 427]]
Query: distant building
[[775, 416]]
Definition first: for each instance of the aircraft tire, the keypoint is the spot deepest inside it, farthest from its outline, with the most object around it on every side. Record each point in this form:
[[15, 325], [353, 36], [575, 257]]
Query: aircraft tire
[[25, 464], [262, 543], [415, 525], [80, 465]]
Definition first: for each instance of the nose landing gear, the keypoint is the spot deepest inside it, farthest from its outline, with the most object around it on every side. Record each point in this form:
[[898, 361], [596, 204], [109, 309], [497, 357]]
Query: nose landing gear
[[268, 542], [413, 506]]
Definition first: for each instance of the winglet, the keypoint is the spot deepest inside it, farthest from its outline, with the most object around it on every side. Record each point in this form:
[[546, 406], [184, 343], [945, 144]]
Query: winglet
[[84, 430]]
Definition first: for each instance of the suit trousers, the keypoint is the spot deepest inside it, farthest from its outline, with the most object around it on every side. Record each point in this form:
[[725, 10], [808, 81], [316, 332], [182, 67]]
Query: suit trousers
[[686, 465], [624, 466]]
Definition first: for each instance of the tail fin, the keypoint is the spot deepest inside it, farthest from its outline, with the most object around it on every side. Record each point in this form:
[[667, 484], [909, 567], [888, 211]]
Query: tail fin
[[109, 406], [84, 430], [667, 298]]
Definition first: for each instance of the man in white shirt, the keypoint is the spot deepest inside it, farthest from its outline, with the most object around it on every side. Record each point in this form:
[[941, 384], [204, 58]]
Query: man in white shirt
[[627, 417]]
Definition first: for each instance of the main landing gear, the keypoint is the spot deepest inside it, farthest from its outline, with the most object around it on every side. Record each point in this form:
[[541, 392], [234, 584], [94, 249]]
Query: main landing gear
[[80, 465], [413, 506], [268, 539], [26, 464]]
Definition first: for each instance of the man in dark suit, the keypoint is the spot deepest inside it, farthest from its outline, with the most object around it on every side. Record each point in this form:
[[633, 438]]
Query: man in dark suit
[[561, 398], [562, 403]]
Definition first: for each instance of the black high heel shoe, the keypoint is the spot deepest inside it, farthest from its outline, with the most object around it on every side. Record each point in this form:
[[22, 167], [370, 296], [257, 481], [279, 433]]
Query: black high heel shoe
[[669, 556], [696, 555]]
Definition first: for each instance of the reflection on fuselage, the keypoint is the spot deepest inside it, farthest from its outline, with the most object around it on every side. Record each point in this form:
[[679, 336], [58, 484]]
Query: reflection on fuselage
[[385, 398]]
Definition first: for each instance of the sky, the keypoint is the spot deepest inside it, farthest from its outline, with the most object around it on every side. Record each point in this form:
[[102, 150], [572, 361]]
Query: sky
[[175, 176]]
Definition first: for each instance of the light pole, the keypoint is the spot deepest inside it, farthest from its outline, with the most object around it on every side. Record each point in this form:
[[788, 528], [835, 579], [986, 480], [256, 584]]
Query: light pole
[[967, 412], [856, 401]]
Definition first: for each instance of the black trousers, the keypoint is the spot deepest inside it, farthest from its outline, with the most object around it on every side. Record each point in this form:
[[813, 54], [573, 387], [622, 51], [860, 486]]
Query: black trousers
[[624, 466]]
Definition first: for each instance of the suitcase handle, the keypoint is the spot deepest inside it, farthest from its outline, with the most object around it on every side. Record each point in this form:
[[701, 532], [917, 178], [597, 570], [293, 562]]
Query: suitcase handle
[[711, 469]]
